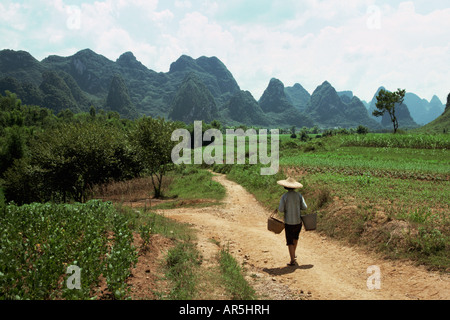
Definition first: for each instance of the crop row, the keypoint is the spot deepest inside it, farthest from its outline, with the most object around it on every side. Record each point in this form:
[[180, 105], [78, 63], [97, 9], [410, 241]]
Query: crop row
[[41, 243], [388, 173], [417, 141]]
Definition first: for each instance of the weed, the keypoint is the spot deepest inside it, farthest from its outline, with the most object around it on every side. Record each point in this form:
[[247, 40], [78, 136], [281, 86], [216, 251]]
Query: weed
[[145, 233], [182, 263], [39, 241], [234, 281]]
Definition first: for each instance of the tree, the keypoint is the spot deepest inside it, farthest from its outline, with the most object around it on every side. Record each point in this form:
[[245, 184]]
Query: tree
[[92, 112], [14, 148], [293, 135], [216, 124], [304, 134], [152, 140], [362, 129], [74, 157], [386, 102]]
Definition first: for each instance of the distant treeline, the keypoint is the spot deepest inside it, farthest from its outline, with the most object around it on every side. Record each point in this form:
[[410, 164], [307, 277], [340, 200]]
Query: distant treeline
[[60, 158]]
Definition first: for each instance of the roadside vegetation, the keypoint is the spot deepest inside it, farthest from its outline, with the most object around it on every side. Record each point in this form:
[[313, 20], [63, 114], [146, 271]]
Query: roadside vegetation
[[78, 189], [389, 193]]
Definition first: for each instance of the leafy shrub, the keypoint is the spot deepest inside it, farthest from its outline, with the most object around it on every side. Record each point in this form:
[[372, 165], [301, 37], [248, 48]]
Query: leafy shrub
[[429, 241], [39, 241]]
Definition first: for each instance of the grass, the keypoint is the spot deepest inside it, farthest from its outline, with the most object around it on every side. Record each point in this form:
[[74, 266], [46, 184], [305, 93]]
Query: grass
[[182, 265], [143, 220], [384, 191], [337, 155], [191, 182], [233, 279], [419, 141]]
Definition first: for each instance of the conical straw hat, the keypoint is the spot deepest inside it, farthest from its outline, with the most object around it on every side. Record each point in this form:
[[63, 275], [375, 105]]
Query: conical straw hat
[[290, 183]]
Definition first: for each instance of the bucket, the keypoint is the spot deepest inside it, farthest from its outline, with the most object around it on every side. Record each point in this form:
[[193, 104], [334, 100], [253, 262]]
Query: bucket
[[275, 225], [310, 221]]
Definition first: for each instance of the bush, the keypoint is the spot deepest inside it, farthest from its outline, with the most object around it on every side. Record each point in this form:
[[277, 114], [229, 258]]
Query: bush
[[362, 130], [66, 162], [39, 242]]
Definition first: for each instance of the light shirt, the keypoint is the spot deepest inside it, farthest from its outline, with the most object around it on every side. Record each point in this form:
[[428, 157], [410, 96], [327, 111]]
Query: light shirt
[[290, 204]]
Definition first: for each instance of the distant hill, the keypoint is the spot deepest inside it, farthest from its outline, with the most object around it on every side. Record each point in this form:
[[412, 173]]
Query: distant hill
[[279, 109], [328, 109], [211, 71], [298, 96], [21, 66], [243, 108], [420, 110], [119, 99], [192, 89], [439, 125], [193, 101]]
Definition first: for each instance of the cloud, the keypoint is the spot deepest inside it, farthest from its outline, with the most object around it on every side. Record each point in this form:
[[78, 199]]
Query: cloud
[[183, 4], [358, 46], [199, 36], [408, 50]]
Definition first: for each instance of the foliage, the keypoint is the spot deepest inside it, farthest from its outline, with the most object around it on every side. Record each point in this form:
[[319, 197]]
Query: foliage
[[182, 263], [40, 241], [74, 158], [13, 148], [152, 141], [387, 102], [362, 130], [65, 162], [232, 275]]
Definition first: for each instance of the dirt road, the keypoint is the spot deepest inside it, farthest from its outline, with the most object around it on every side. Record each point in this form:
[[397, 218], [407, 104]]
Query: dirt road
[[326, 269]]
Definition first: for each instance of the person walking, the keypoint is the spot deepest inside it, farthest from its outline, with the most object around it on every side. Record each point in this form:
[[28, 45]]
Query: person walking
[[291, 204]]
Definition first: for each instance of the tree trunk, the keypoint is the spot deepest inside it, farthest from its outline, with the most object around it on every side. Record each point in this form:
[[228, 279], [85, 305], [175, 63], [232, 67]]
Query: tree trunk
[[156, 187]]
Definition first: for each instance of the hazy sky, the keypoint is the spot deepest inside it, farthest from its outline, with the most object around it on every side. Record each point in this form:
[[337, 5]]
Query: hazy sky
[[356, 45]]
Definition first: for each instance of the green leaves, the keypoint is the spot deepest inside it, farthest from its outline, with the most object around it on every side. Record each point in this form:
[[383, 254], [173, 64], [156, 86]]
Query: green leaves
[[39, 241], [152, 141], [387, 102]]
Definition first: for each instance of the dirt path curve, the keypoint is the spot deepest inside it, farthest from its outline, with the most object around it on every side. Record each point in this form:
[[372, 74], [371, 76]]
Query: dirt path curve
[[326, 269]]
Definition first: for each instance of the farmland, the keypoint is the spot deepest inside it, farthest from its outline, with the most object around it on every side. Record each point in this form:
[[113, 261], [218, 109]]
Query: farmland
[[389, 193], [40, 241], [368, 188]]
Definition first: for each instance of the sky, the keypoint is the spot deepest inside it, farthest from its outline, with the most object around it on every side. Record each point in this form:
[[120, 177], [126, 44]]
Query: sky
[[356, 45]]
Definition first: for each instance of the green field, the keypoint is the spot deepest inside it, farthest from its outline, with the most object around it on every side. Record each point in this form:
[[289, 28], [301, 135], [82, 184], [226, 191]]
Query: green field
[[388, 192], [39, 242]]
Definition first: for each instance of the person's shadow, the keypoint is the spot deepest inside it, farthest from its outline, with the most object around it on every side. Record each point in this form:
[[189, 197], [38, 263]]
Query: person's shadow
[[287, 269]]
